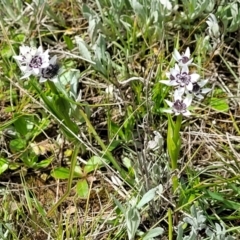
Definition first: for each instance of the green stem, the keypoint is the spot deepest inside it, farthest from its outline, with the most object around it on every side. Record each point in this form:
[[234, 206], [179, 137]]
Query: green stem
[[170, 223], [177, 142], [175, 182], [70, 179]]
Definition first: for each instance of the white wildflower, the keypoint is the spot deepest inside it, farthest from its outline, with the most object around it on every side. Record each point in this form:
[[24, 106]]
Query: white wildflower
[[184, 59], [32, 60], [198, 89], [179, 105], [181, 78], [51, 72]]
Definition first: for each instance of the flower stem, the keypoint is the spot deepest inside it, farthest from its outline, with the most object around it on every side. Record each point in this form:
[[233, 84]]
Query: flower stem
[[177, 140], [174, 151]]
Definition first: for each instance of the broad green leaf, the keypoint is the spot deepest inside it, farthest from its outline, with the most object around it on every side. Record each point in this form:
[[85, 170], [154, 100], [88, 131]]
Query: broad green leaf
[[43, 163], [63, 173], [147, 197], [119, 205], [14, 166], [153, 233], [59, 107], [82, 188], [60, 173], [94, 22], [29, 158], [133, 220], [83, 48], [219, 104], [3, 165], [67, 77], [6, 51], [180, 231], [24, 125], [78, 171], [19, 38], [17, 145], [93, 163]]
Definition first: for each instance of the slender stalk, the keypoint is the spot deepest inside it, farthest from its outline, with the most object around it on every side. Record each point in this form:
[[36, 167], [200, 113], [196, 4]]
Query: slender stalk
[[170, 225], [174, 156], [70, 179], [177, 140]]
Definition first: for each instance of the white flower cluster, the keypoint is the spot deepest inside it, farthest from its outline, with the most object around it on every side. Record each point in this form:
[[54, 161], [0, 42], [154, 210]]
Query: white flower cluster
[[36, 62], [184, 82]]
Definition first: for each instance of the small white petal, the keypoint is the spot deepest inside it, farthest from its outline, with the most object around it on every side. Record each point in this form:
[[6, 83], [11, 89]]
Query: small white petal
[[187, 113], [45, 65], [23, 68], [176, 55], [53, 60], [174, 73], [55, 79], [189, 62], [35, 71], [167, 110], [189, 86], [185, 69], [199, 96], [168, 74], [202, 83], [177, 68], [194, 77], [41, 80], [170, 104], [45, 55], [187, 52], [169, 82], [26, 75], [188, 100], [178, 94], [33, 52], [39, 50], [19, 58], [109, 90], [25, 50], [205, 90]]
